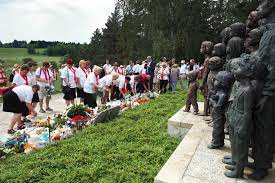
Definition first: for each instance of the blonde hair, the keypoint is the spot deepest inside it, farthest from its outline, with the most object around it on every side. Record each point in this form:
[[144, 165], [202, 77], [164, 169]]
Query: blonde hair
[[96, 68], [175, 66], [82, 62]]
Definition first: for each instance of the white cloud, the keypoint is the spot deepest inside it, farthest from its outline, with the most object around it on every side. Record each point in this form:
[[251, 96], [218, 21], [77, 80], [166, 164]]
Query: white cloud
[[53, 20]]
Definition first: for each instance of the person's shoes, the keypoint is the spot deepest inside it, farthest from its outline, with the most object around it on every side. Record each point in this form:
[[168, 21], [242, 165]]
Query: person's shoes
[[11, 131], [227, 157], [234, 174], [186, 110], [21, 127], [258, 174], [229, 162], [230, 167], [42, 111], [213, 146], [26, 120], [195, 113], [49, 109]]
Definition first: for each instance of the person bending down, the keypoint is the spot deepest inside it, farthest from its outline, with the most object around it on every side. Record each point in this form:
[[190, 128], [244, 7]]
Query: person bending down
[[18, 101]]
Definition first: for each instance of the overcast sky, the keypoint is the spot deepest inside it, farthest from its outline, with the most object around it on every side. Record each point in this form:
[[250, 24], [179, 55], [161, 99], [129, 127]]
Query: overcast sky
[[52, 20]]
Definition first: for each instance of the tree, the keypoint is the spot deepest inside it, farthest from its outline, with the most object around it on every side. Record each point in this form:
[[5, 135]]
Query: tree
[[31, 49]]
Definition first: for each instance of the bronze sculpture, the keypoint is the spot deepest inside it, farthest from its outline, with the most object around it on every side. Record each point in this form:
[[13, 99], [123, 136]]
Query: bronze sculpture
[[206, 50], [265, 123], [240, 114], [219, 101]]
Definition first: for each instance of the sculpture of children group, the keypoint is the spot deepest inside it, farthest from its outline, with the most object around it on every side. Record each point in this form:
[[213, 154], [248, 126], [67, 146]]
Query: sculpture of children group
[[241, 90]]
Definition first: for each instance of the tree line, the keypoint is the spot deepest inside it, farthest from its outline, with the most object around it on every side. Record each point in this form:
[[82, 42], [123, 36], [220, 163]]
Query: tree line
[[159, 28]]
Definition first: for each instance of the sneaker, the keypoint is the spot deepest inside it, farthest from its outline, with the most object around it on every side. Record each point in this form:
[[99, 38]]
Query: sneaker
[[49, 109], [42, 111], [11, 131], [21, 127]]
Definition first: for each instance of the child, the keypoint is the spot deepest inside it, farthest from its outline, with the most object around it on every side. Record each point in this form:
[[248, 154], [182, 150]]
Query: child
[[240, 114], [219, 102], [192, 92], [174, 77]]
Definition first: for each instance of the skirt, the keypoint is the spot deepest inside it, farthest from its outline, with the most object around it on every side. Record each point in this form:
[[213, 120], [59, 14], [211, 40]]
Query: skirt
[[11, 103], [35, 98], [69, 93], [80, 93], [90, 100]]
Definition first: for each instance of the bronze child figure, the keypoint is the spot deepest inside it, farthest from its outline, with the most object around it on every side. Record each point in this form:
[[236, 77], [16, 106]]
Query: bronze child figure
[[240, 115], [192, 92], [222, 85]]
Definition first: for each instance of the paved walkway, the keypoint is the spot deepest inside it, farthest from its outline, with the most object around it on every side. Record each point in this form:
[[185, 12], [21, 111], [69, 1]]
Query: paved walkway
[[192, 161], [57, 103]]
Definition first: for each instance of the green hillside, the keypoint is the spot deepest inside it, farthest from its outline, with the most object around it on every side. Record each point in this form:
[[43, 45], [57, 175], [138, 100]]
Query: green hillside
[[12, 56]]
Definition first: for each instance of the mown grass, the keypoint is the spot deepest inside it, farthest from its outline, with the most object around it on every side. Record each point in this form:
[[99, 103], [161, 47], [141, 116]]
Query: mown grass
[[12, 56], [131, 148]]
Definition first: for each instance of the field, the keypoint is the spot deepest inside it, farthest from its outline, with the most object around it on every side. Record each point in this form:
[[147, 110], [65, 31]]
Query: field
[[12, 56]]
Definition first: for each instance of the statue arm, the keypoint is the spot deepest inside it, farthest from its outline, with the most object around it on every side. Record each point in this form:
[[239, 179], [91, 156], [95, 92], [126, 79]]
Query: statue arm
[[248, 105], [222, 100], [205, 74], [265, 8]]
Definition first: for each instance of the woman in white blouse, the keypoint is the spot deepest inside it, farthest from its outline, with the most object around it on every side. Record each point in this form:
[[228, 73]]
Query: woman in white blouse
[[82, 75], [91, 86], [69, 82], [164, 77]]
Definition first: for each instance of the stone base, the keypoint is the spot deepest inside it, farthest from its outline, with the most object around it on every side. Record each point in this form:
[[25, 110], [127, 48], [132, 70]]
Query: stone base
[[192, 161]]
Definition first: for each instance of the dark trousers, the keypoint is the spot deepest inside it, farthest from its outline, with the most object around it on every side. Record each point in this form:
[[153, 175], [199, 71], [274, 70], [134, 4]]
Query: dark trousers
[[90, 100], [116, 93], [264, 135], [163, 86], [218, 117], [140, 88]]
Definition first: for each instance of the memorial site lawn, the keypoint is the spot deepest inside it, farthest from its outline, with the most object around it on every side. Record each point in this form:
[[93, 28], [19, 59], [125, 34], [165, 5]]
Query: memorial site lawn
[[131, 148]]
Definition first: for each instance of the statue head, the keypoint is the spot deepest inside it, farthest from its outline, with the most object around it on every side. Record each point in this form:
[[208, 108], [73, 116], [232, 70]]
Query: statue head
[[238, 29], [225, 35], [247, 66], [252, 41], [223, 80], [215, 63], [206, 47], [235, 48], [219, 50], [193, 75], [252, 20]]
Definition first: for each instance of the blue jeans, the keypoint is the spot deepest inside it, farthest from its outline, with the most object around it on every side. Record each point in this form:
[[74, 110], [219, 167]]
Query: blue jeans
[[174, 85], [182, 84]]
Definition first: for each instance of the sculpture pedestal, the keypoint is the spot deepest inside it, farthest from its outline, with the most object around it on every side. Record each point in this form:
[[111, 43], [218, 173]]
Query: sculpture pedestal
[[192, 161]]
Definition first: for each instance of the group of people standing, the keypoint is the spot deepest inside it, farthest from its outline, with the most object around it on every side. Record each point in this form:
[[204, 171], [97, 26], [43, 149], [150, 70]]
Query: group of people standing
[[33, 85]]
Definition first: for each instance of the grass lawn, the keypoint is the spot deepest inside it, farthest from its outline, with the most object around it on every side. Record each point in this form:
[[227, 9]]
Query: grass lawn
[[12, 56], [131, 148]]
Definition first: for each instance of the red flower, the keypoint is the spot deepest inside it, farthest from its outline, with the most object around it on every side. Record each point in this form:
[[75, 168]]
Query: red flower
[[79, 118]]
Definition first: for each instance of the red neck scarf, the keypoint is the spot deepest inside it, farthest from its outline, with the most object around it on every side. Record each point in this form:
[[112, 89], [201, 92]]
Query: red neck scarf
[[46, 74], [125, 88], [96, 78], [85, 72], [24, 76], [73, 71], [2, 74], [162, 73]]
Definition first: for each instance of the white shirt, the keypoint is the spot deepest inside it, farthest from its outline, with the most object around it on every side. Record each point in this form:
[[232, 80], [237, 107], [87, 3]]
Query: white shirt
[[120, 82], [107, 68], [117, 70], [142, 69], [164, 73], [133, 82], [82, 75], [136, 68], [70, 76], [90, 82], [31, 75], [24, 93], [106, 81], [19, 80], [183, 69], [43, 74]]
